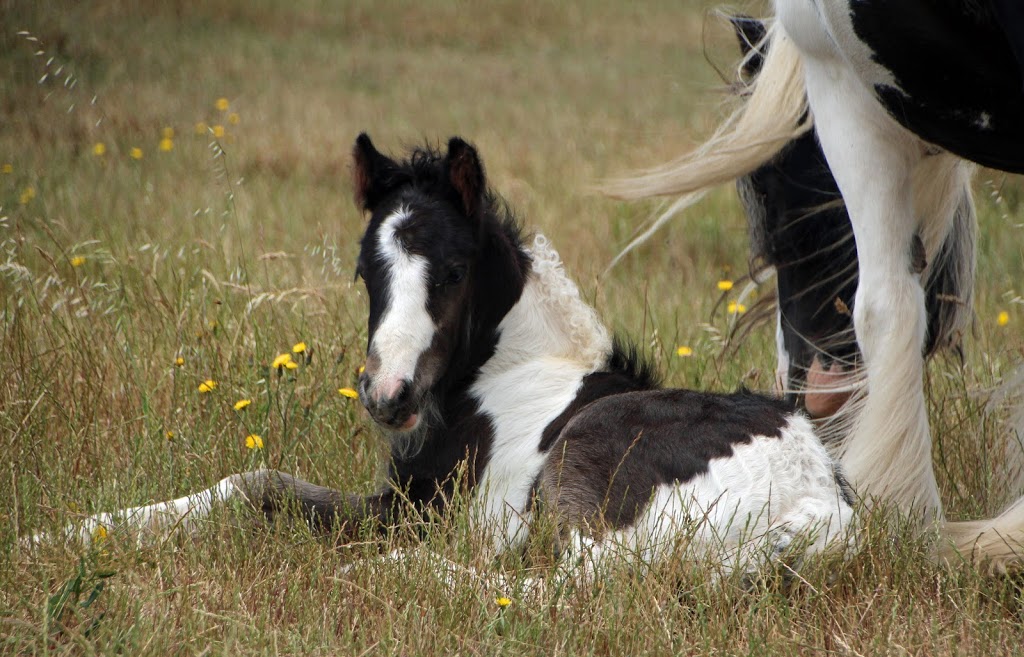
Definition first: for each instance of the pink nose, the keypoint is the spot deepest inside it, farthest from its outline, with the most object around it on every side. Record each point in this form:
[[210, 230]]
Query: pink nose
[[389, 389], [390, 403]]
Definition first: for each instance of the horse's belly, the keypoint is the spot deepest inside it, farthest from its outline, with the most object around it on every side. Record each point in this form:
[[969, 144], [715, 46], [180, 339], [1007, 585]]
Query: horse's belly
[[945, 72]]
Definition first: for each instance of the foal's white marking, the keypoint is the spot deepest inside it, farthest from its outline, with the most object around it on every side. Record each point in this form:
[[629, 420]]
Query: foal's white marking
[[548, 342], [746, 510], [406, 329]]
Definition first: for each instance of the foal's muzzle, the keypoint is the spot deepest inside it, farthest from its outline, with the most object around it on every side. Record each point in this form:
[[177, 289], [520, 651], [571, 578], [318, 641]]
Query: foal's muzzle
[[396, 410]]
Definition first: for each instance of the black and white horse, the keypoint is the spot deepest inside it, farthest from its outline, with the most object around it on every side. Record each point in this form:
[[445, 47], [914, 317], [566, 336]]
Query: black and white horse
[[483, 359], [901, 96], [800, 230]]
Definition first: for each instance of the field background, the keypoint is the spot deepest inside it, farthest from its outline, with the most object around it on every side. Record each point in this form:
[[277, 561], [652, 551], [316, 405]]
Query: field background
[[227, 251]]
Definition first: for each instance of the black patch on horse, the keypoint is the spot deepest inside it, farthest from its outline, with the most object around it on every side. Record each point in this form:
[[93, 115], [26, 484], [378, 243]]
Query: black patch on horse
[[611, 457]]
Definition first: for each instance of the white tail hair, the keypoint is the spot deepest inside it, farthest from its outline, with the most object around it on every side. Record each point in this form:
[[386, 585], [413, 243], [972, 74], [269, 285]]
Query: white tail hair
[[773, 113]]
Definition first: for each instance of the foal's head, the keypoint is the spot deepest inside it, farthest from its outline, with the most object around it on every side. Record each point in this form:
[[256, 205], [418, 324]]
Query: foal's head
[[431, 226]]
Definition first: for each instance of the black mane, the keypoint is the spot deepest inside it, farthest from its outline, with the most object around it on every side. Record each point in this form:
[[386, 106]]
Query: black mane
[[424, 169], [628, 361]]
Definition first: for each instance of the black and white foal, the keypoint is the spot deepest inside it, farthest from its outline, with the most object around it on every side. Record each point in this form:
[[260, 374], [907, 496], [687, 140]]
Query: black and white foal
[[484, 359]]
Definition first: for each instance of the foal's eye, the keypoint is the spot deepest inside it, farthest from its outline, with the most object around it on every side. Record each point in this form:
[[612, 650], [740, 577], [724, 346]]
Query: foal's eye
[[455, 274]]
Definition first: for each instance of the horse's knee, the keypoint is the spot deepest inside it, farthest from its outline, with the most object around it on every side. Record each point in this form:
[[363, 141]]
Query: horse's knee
[[889, 314]]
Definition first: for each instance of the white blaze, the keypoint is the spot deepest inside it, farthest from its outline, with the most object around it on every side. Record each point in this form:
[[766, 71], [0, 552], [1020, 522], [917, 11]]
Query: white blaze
[[406, 329]]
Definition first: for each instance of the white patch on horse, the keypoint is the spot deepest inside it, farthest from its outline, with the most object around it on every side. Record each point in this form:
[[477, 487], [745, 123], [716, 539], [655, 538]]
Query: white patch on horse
[[782, 357], [751, 507], [521, 402], [824, 30], [406, 329], [547, 343]]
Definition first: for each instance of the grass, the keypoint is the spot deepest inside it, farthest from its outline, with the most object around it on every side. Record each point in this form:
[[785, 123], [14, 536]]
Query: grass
[[226, 252]]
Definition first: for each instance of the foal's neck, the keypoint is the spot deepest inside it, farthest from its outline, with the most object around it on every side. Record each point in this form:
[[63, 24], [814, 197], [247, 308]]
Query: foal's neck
[[550, 320]]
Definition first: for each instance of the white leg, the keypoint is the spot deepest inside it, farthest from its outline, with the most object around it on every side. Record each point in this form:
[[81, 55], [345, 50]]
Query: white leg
[[888, 454], [183, 513]]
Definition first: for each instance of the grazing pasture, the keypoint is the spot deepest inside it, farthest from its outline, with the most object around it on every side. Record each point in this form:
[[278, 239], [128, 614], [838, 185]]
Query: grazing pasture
[[177, 213]]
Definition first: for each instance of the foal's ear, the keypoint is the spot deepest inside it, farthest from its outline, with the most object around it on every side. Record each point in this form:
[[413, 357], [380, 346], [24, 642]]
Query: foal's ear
[[372, 172], [466, 175], [750, 32]]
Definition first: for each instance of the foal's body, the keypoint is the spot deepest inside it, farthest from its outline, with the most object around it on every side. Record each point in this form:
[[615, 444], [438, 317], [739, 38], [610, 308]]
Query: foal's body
[[483, 359]]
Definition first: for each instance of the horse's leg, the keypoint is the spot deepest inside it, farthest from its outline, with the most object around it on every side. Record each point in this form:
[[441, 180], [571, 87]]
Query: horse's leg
[[269, 491], [888, 454]]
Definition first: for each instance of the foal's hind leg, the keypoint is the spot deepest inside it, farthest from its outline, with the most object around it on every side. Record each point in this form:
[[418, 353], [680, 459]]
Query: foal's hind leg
[[888, 454]]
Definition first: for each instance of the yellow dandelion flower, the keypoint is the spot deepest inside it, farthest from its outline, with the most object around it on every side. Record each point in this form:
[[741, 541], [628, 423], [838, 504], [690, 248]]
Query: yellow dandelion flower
[[167, 133], [7, 168], [202, 128], [99, 149], [179, 362], [234, 119], [27, 195], [281, 361], [207, 386], [242, 403], [135, 153], [222, 104], [169, 435], [218, 131], [299, 348], [78, 261], [291, 365], [503, 602], [362, 368], [736, 308], [1003, 318], [348, 392], [99, 533], [725, 285], [252, 441], [166, 144], [684, 351]]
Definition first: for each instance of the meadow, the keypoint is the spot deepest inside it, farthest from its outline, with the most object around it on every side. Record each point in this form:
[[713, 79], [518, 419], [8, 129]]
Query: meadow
[[176, 213]]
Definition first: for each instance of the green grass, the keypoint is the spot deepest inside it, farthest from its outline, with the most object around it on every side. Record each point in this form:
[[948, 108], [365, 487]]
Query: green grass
[[229, 259]]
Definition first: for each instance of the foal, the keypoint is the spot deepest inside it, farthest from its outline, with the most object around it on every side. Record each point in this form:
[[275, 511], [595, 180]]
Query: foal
[[484, 359]]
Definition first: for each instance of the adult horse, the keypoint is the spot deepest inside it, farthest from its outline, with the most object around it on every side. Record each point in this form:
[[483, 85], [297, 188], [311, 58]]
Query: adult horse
[[901, 95], [800, 231]]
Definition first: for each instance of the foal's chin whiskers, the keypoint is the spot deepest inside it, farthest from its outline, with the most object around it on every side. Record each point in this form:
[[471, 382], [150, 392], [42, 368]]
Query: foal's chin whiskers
[[407, 444]]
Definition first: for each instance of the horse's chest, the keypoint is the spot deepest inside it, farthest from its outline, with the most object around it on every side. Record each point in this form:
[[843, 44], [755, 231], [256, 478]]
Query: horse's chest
[[519, 403]]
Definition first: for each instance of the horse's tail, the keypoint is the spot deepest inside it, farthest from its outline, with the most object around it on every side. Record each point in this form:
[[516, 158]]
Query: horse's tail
[[773, 113], [996, 542], [949, 274]]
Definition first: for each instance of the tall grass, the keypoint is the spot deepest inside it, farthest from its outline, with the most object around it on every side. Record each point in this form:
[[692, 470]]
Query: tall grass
[[231, 247]]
